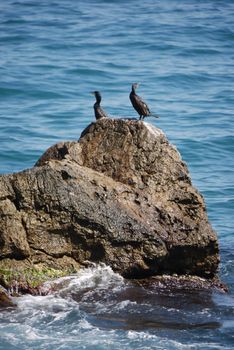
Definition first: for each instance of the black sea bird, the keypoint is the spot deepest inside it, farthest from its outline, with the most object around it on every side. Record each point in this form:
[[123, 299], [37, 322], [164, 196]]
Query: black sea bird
[[99, 112], [139, 105]]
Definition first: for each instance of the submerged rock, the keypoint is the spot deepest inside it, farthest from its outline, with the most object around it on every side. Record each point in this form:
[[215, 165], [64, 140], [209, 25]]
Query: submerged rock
[[121, 195], [184, 283]]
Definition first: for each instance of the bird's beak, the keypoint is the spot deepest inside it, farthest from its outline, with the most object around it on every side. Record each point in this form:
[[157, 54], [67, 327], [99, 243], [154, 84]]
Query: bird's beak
[[92, 93]]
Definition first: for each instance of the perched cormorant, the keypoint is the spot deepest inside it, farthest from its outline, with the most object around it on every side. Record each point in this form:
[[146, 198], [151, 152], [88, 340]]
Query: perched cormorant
[[139, 105], [99, 112]]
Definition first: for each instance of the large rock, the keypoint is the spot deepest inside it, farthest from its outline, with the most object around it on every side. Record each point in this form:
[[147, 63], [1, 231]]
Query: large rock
[[121, 195]]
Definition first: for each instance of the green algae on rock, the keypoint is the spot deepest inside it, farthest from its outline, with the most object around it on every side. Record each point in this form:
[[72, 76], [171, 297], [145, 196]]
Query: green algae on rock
[[29, 280]]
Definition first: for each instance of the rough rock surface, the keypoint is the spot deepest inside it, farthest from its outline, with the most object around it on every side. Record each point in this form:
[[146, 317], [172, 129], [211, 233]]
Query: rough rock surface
[[5, 299], [121, 195]]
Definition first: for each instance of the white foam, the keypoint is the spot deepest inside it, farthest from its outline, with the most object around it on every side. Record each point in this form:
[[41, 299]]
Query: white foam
[[140, 335], [93, 277], [125, 303], [165, 343]]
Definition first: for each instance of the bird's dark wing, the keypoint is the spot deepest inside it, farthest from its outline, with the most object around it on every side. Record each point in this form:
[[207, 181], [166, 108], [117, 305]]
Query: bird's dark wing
[[100, 113], [142, 106]]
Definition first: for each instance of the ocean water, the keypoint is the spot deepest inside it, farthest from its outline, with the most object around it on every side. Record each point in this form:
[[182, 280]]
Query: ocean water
[[52, 54]]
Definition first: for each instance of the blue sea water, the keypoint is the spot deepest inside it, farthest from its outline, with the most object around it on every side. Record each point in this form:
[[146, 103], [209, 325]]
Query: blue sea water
[[52, 54]]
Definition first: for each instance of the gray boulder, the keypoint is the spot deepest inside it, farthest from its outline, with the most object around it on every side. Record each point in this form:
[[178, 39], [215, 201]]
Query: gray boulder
[[121, 195]]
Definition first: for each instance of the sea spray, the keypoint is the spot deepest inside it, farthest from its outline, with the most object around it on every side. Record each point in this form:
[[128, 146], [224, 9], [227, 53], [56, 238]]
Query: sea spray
[[96, 276], [97, 309]]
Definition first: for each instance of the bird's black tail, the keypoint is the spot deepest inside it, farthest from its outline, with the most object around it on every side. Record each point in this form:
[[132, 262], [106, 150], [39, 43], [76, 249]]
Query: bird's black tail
[[154, 115]]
